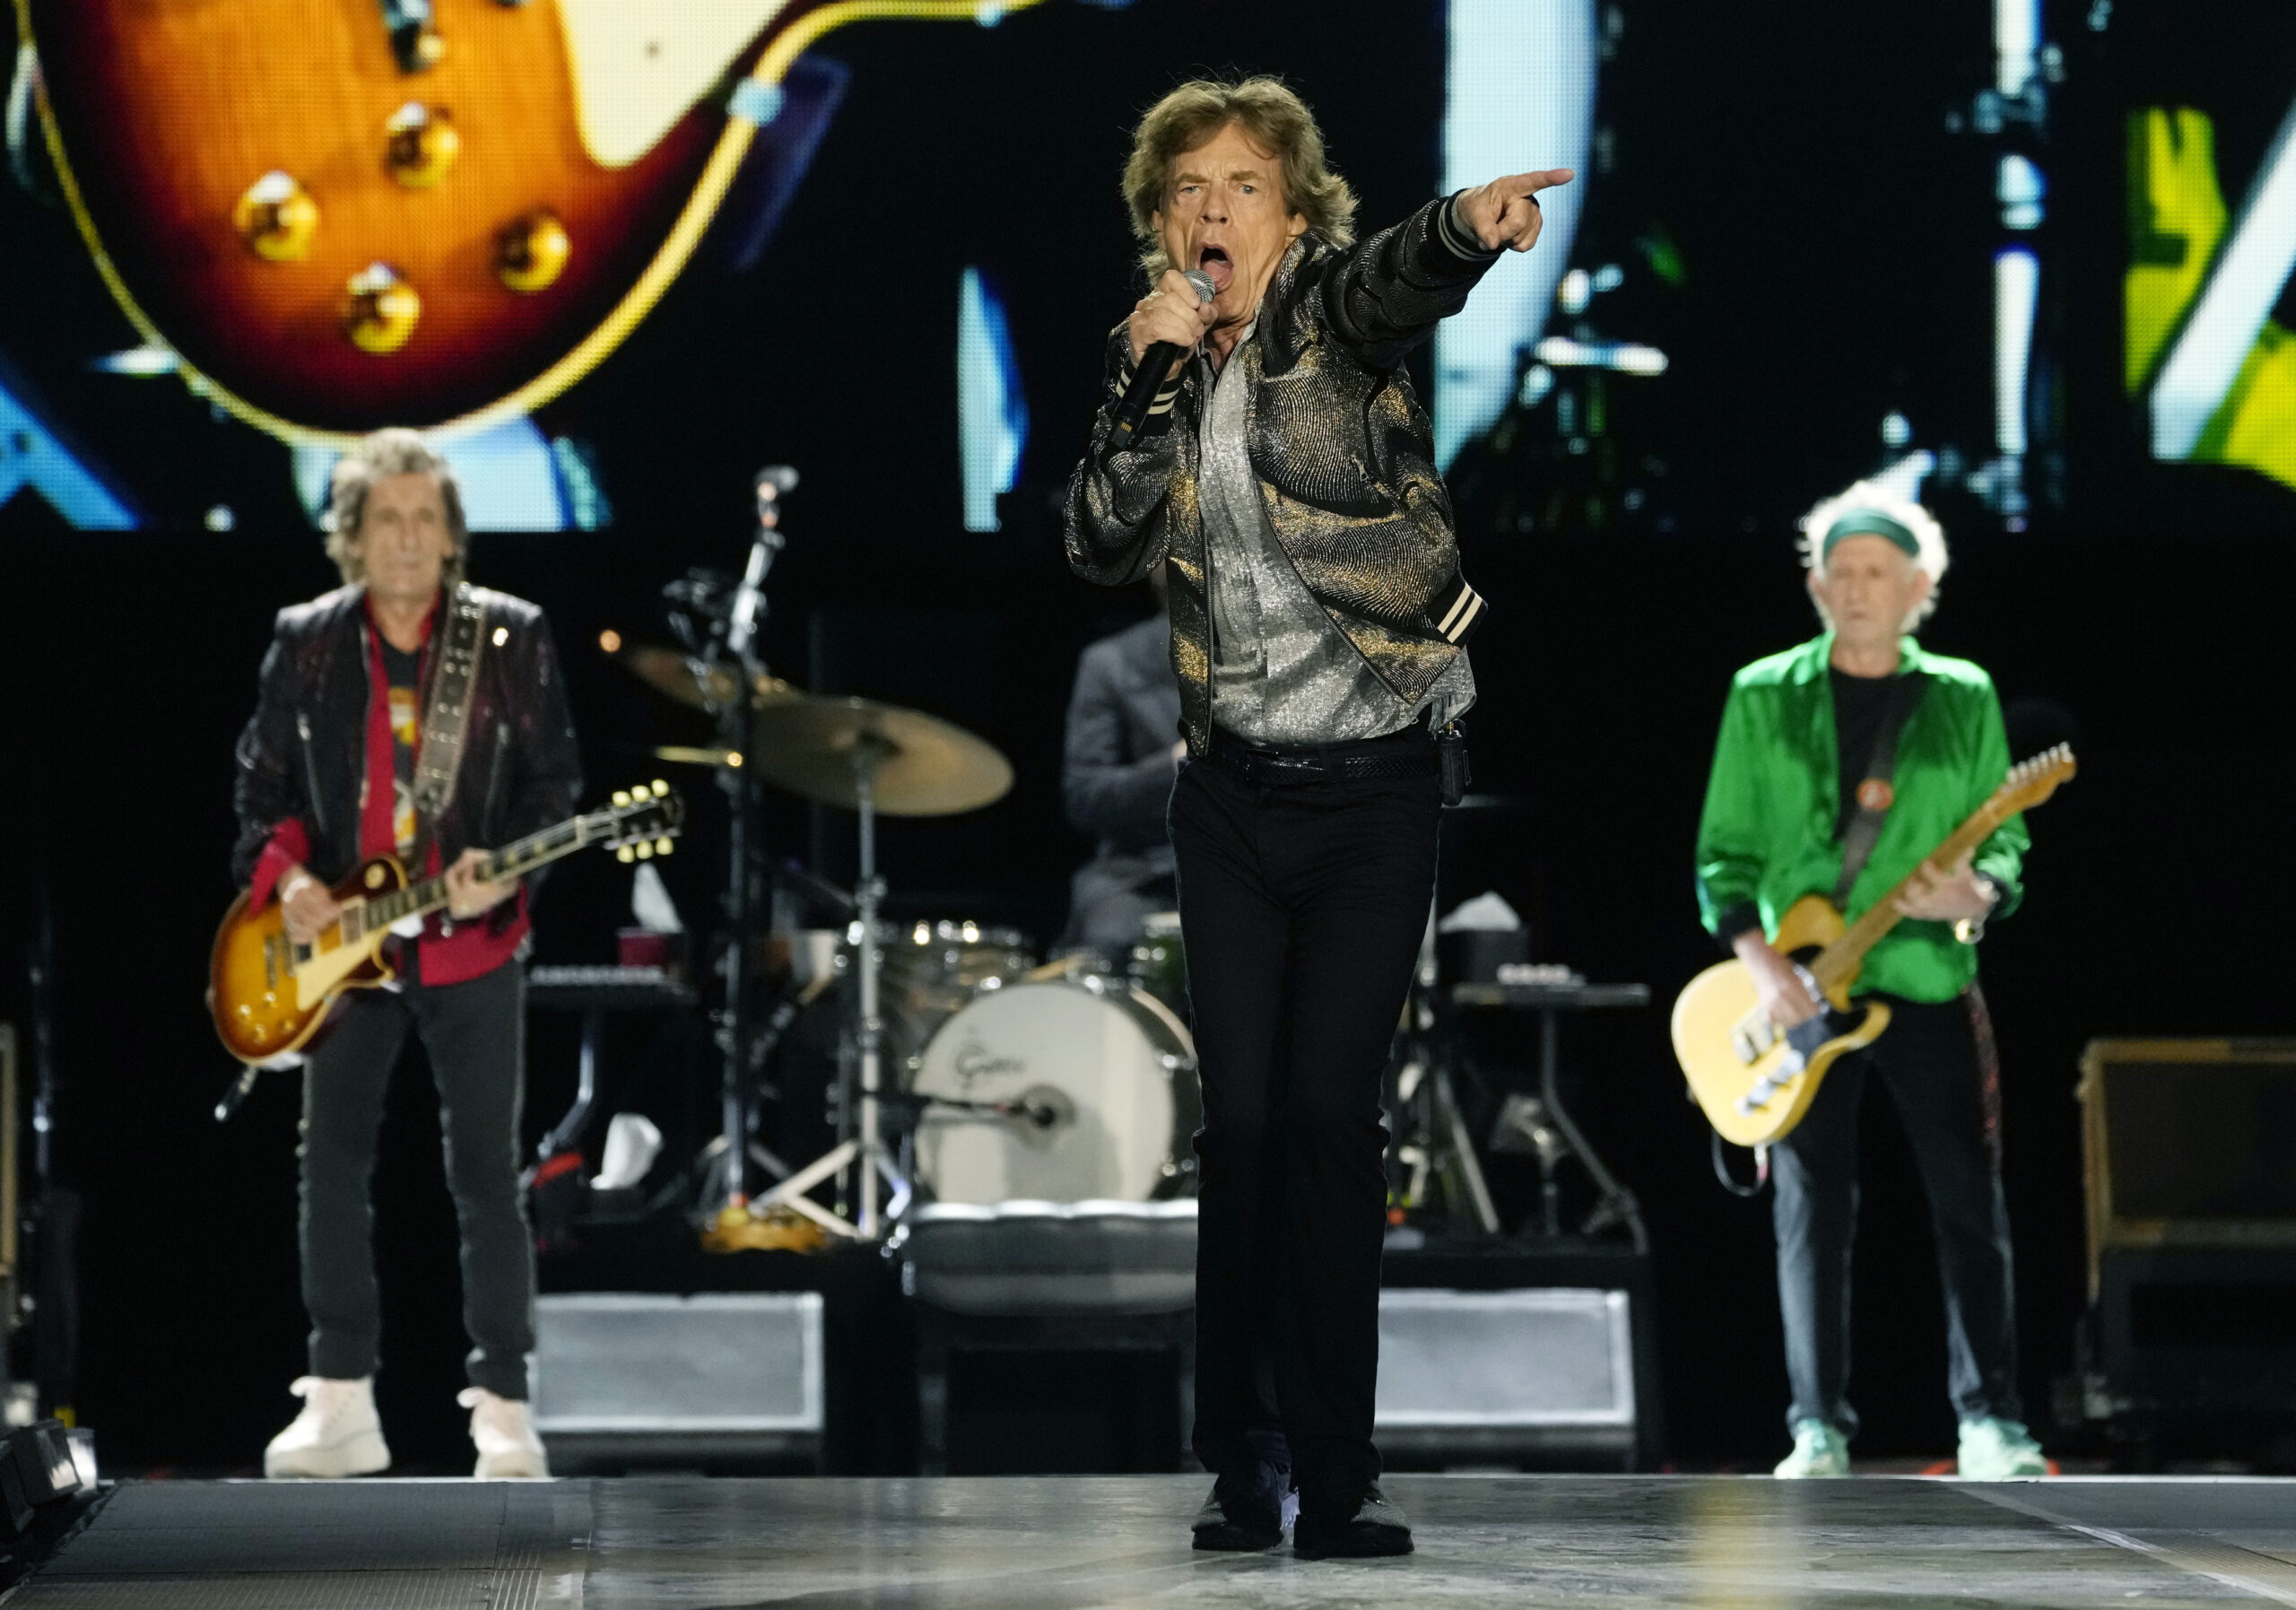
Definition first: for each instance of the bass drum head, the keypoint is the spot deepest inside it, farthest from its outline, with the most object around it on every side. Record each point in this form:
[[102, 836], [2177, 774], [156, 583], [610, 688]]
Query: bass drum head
[[1108, 1072]]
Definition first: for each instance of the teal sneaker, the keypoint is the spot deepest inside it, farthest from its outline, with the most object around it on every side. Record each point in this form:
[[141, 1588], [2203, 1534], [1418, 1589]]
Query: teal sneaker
[[1819, 1451], [1999, 1450]]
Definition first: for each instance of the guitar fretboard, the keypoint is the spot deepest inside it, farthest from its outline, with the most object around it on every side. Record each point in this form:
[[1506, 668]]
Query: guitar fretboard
[[1841, 959], [430, 894]]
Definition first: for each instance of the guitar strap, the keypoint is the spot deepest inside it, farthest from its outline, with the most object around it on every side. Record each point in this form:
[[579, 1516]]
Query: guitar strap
[[446, 718], [1874, 794]]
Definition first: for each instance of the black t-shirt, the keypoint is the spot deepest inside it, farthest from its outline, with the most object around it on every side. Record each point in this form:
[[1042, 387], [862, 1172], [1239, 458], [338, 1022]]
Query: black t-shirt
[[405, 673], [1859, 703]]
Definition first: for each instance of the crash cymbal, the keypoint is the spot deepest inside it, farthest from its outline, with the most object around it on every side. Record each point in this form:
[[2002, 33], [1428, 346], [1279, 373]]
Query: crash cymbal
[[808, 743], [686, 679]]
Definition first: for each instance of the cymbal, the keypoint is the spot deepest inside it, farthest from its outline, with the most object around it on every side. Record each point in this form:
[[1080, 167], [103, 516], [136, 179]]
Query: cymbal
[[925, 766], [687, 680]]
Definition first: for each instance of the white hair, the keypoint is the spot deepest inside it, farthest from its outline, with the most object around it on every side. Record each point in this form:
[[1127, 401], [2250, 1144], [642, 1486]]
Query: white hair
[[1928, 536]]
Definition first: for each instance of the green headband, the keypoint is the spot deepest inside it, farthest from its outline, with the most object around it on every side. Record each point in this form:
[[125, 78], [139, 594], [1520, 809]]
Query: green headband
[[1870, 522]]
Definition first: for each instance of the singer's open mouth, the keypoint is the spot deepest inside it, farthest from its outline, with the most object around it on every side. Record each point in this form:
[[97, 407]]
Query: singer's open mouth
[[1213, 260]]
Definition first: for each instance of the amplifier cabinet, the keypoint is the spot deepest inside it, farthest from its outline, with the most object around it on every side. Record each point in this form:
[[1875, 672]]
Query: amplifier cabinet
[[2188, 1144], [633, 1379]]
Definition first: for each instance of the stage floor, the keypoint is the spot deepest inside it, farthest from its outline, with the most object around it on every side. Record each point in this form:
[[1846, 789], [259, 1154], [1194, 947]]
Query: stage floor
[[1051, 1542]]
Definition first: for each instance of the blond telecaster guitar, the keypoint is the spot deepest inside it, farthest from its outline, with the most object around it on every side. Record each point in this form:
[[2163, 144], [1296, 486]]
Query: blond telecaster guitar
[[269, 993], [1754, 1082]]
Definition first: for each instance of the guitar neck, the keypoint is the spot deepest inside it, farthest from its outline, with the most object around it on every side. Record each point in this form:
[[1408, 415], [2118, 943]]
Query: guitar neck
[[512, 860], [1842, 958]]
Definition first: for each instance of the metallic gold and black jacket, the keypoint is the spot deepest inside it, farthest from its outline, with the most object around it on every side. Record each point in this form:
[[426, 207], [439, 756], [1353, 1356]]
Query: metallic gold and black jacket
[[1344, 455]]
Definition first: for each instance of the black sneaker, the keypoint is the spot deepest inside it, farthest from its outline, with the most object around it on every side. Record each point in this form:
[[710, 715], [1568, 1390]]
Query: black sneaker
[[1245, 1512], [1375, 1528]]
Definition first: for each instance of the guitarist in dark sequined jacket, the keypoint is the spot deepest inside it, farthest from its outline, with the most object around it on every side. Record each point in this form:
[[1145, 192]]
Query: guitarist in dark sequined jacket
[[326, 781]]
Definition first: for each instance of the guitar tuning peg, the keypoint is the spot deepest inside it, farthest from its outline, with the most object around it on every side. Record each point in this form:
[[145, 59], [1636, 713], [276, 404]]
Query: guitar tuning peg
[[662, 846], [620, 797], [645, 851], [661, 790], [640, 793], [625, 854]]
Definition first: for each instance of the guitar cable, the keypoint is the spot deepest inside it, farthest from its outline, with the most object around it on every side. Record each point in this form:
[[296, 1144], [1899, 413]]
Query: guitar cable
[[1722, 1168]]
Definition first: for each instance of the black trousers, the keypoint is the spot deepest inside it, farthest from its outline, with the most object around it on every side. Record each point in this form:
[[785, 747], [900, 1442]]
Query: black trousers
[[475, 1033], [1302, 909], [1938, 1062]]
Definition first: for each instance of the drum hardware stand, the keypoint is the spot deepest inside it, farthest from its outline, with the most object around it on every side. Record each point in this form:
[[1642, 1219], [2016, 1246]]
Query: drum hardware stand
[[1525, 1126], [867, 1149], [1443, 1146], [1614, 1203]]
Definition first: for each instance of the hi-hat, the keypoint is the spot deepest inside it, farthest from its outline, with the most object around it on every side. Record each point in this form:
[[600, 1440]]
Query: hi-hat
[[921, 765], [689, 680]]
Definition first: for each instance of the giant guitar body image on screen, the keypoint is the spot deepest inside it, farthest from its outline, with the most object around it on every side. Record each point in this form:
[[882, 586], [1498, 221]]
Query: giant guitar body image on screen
[[338, 214]]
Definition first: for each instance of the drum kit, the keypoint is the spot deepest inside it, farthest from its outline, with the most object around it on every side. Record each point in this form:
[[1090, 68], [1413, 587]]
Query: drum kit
[[970, 1068]]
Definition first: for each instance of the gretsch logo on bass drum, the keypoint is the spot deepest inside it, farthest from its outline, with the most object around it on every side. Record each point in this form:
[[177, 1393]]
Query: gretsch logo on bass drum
[[974, 1062]]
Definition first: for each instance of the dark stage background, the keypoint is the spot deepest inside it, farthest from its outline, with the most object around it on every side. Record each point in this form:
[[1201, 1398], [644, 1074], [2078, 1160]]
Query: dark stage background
[[1834, 235]]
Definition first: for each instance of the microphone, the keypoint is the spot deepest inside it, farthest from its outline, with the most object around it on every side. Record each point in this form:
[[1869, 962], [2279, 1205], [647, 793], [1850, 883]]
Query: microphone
[[749, 596], [1132, 409]]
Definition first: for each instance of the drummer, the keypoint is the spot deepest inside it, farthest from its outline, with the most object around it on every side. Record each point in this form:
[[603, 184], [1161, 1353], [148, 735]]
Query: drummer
[[1119, 764]]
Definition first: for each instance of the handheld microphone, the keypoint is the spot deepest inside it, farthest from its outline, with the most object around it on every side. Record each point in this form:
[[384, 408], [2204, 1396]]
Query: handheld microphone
[[1132, 409]]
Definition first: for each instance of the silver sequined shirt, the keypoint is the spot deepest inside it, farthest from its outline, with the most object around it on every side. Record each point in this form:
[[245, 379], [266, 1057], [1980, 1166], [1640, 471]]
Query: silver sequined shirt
[[1282, 672]]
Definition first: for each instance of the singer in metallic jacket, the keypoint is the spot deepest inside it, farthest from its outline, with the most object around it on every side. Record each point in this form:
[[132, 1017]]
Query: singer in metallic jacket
[[1344, 453], [1285, 472]]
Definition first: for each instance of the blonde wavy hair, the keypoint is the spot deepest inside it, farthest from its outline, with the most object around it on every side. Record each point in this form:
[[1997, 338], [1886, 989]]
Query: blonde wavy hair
[[389, 452], [1273, 117]]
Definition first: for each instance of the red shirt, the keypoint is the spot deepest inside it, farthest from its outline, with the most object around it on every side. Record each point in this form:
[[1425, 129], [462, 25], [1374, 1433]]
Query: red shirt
[[449, 951]]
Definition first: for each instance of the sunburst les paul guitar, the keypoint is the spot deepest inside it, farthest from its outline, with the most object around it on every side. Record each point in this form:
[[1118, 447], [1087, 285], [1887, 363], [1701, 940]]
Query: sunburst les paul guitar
[[1755, 1081], [336, 214], [269, 993]]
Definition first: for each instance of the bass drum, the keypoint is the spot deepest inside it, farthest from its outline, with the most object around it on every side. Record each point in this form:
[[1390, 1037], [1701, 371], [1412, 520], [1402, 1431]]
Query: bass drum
[[1101, 1078]]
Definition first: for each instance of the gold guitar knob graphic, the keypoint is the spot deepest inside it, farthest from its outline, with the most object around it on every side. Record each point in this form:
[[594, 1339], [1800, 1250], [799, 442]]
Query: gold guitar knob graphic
[[531, 253], [277, 217], [422, 145], [380, 309]]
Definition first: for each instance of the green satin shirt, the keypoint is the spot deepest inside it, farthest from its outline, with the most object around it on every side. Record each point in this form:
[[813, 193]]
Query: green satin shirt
[[1766, 836]]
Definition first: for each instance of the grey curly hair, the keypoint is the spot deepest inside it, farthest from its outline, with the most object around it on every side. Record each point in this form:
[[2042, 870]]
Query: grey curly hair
[[1273, 117], [389, 452]]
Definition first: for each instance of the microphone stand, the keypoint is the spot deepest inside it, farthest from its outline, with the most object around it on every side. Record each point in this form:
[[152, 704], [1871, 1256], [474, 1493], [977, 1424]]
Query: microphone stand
[[738, 646]]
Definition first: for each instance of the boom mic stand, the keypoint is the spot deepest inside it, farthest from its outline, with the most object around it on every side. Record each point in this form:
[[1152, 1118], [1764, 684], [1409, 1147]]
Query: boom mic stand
[[735, 653]]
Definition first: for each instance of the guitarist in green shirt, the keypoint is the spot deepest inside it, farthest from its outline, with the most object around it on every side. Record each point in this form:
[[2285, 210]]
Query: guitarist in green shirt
[[1857, 753]]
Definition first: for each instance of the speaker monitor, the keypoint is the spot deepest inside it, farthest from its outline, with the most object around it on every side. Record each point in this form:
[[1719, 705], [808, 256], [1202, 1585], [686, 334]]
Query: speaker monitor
[[624, 1378], [1532, 1375]]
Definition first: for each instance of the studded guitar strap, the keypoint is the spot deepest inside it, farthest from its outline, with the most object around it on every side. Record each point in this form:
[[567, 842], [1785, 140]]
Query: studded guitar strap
[[446, 719]]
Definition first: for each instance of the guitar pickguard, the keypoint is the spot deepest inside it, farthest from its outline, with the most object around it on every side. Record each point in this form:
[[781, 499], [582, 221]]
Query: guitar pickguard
[[638, 69]]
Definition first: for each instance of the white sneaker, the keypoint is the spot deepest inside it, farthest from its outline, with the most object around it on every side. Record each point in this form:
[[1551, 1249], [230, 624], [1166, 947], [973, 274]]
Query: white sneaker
[[337, 1434], [1819, 1451], [504, 1432], [1999, 1450]]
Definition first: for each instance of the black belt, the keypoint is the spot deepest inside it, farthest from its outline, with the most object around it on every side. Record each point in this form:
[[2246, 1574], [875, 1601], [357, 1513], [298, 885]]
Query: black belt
[[1407, 754]]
